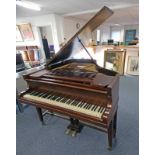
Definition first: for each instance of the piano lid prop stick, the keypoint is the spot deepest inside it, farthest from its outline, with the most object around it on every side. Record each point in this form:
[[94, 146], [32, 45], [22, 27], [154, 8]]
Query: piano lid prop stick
[[85, 49]]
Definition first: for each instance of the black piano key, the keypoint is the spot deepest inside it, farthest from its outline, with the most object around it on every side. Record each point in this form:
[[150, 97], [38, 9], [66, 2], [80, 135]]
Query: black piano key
[[55, 97], [73, 102], [85, 106], [80, 104], [89, 106], [31, 93], [102, 110], [68, 101], [95, 108], [35, 93], [99, 109], [40, 94], [62, 99], [59, 99], [92, 108], [44, 95], [65, 100], [76, 103], [49, 96]]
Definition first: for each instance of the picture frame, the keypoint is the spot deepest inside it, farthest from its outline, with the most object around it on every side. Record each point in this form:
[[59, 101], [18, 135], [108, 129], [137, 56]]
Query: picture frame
[[114, 59], [133, 65], [26, 31], [18, 34]]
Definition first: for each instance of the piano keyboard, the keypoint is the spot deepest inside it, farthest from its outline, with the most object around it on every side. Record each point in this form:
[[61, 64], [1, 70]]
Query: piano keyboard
[[76, 104]]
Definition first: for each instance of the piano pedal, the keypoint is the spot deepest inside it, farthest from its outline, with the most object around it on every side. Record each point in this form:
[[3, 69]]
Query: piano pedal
[[73, 133], [68, 132]]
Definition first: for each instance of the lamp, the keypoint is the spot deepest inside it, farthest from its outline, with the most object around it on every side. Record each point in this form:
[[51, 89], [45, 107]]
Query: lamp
[[28, 5]]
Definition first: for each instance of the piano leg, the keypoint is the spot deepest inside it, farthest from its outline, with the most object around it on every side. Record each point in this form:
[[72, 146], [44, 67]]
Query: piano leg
[[110, 135], [115, 125], [39, 111]]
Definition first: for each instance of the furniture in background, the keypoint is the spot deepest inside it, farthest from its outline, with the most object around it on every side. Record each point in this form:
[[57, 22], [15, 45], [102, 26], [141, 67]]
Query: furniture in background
[[133, 65], [21, 84], [19, 62], [114, 59], [30, 55]]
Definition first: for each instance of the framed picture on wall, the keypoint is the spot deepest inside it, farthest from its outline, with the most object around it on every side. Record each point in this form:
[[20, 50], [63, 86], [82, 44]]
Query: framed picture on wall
[[114, 59], [26, 31], [133, 65], [129, 36], [18, 34]]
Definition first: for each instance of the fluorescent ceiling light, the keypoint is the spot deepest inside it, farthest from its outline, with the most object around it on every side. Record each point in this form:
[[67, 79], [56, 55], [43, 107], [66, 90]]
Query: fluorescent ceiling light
[[28, 5], [117, 24]]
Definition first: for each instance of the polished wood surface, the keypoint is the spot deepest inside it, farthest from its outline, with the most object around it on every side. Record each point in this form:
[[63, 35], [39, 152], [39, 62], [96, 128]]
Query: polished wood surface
[[76, 88]]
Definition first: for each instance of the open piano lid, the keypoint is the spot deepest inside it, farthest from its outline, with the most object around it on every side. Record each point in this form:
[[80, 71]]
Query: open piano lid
[[84, 34]]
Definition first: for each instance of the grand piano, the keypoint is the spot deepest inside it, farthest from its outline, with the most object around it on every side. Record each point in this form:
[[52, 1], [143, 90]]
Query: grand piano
[[77, 89]]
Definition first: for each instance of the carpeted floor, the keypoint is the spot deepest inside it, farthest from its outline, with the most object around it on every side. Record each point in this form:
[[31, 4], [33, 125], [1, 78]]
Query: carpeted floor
[[35, 139]]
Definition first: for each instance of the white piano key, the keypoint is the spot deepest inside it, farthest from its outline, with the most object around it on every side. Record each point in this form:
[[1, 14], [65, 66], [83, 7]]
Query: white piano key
[[70, 106]]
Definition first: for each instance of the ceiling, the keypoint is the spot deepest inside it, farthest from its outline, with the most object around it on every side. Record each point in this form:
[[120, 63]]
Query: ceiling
[[123, 16], [125, 11]]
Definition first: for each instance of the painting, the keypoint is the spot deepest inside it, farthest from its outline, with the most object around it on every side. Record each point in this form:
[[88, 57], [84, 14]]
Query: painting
[[114, 59], [133, 65], [18, 34], [26, 32]]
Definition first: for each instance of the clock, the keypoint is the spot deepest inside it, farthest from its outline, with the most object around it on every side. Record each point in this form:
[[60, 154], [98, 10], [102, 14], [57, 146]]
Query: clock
[[77, 25]]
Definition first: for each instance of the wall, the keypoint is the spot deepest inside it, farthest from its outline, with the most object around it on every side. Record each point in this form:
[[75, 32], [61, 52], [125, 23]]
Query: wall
[[135, 26], [52, 20], [70, 26], [99, 54], [106, 31], [47, 31]]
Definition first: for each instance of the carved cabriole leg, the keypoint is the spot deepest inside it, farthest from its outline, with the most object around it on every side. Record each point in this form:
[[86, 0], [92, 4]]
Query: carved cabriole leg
[[115, 125], [110, 135], [39, 111]]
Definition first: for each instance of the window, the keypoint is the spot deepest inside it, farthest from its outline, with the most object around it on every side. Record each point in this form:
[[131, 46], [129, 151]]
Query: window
[[116, 35], [98, 35]]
